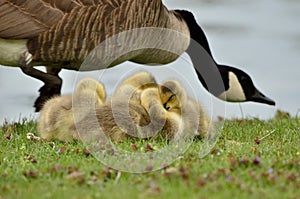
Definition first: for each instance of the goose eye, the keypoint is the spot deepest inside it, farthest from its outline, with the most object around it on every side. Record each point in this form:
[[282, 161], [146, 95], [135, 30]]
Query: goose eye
[[243, 79]]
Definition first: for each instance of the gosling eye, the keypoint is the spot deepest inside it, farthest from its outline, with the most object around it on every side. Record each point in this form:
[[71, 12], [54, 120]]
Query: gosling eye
[[172, 97]]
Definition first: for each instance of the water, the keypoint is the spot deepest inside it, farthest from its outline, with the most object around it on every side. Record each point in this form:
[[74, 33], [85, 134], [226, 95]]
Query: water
[[262, 37]]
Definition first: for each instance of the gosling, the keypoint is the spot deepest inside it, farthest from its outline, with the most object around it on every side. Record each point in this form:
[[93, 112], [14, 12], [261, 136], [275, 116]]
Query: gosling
[[174, 99], [134, 85], [116, 120], [170, 122], [58, 115], [123, 116]]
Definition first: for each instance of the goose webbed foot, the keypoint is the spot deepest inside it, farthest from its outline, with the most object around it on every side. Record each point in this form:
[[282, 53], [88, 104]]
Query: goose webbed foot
[[51, 79]]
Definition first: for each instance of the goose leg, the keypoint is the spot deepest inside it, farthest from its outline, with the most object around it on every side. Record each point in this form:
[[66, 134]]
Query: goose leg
[[51, 79]]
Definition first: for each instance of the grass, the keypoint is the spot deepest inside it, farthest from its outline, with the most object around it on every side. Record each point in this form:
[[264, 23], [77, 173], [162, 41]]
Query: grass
[[252, 159]]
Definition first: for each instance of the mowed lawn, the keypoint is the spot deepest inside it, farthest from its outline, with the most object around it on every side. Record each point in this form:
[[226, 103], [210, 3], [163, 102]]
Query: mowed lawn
[[251, 159]]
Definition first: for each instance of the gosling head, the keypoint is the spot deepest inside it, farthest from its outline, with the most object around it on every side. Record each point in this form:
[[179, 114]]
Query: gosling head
[[139, 79], [172, 94], [90, 85]]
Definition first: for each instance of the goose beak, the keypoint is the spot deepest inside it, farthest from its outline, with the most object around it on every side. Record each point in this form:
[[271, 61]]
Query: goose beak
[[259, 97]]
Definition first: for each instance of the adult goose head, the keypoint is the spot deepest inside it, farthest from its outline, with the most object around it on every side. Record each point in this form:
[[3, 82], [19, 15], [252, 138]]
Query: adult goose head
[[60, 34], [225, 82]]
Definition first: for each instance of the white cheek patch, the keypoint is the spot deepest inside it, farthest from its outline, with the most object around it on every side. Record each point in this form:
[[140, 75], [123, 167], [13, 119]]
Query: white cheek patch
[[235, 92]]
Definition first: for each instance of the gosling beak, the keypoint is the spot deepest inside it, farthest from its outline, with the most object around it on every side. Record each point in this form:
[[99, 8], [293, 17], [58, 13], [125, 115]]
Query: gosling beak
[[259, 97], [166, 106]]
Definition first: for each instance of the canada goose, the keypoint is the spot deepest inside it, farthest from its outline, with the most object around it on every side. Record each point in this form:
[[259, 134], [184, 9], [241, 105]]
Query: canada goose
[[115, 120], [171, 123], [55, 118], [61, 35], [173, 96], [89, 94], [133, 85], [192, 110], [91, 85], [59, 114], [174, 99], [123, 115], [127, 113]]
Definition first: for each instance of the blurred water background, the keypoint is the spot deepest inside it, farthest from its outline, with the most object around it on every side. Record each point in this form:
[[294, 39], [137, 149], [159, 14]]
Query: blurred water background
[[262, 37]]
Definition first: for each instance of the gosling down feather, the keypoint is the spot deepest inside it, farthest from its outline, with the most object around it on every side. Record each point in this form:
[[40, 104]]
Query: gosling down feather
[[174, 99], [59, 114], [132, 87], [164, 111]]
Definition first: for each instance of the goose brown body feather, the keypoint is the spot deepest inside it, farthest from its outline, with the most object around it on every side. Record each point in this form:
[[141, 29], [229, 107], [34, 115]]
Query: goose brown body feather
[[62, 34], [23, 19], [84, 28]]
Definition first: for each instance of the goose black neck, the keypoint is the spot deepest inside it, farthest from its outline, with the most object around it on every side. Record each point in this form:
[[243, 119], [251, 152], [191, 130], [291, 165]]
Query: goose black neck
[[211, 75], [196, 31]]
